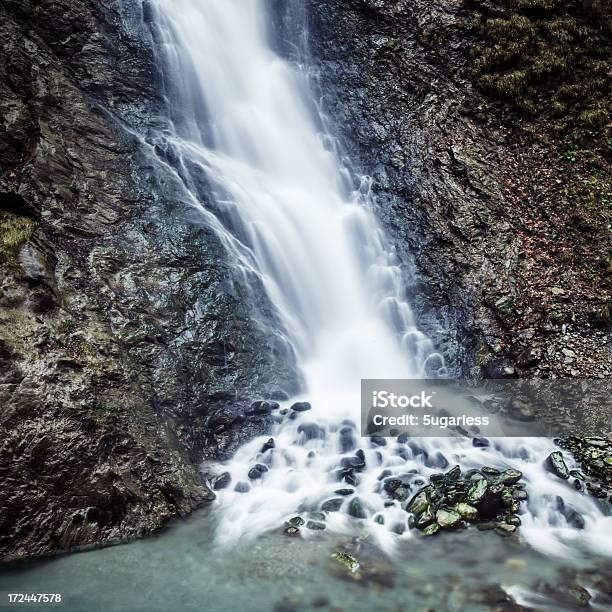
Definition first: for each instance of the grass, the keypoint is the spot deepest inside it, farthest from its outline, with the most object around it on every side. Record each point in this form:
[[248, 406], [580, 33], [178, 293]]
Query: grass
[[14, 231], [550, 58]]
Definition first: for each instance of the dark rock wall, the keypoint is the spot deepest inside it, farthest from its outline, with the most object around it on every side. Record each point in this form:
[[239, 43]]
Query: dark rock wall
[[123, 336], [476, 209]]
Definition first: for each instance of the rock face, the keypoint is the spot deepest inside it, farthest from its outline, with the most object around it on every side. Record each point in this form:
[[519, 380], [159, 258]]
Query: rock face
[[125, 345], [505, 250], [459, 190]]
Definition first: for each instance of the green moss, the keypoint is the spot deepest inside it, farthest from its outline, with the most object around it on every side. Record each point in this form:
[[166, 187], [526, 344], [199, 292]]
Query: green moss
[[550, 58], [14, 231]]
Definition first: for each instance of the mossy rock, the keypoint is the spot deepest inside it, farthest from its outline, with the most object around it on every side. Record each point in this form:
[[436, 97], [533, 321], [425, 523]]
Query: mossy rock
[[347, 561], [15, 230]]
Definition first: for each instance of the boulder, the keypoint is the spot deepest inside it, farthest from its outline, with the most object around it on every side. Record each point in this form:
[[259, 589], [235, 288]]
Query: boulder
[[301, 406], [447, 518], [356, 509], [556, 465]]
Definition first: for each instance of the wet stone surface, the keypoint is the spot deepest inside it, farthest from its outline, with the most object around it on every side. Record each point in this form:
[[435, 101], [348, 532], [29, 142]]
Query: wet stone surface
[[454, 500]]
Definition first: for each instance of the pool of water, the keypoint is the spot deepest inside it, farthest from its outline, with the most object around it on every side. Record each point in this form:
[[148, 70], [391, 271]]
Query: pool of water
[[183, 569]]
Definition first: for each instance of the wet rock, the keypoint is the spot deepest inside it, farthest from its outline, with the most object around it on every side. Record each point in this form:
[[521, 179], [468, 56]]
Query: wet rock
[[257, 471], [292, 531], [242, 487], [401, 493], [384, 474], [424, 518], [474, 475], [507, 497], [398, 528], [477, 490], [430, 530], [556, 465], [513, 519], [466, 511], [315, 525], [480, 442], [347, 441], [311, 431], [438, 460], [447, 518], [344, 492], [296, 521], [351, 479], [221, 481], [595, 456], [268, 445], [390, 485], [420, 502], [573, 518], [258, 408], [356, 509], [332, 505], [347, 561], [519, 495], [490, 471], [353, 463], [486, 526], [378, 441], [301, 406], [454, 473], [453, 498], [505, 529], [510, 477], [579, 595]]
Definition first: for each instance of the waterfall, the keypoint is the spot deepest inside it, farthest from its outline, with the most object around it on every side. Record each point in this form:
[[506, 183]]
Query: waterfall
[[291, 215]]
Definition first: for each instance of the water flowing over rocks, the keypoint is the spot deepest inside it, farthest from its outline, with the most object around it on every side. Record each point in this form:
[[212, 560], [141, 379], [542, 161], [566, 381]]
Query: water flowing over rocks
[[129, 348]]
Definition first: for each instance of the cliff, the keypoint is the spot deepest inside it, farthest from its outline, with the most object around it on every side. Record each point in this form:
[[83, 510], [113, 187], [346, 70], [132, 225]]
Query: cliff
[[497, 198], [127, 352]]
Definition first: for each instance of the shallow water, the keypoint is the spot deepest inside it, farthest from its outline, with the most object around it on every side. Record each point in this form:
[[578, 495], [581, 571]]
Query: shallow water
[[182, 569]]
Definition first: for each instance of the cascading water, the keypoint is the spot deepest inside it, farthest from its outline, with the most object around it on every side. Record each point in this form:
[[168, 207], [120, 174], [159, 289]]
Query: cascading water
[[285, 210]]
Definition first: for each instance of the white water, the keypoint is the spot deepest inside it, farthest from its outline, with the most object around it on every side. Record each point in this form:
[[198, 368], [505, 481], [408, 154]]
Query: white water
[[284, 212]]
